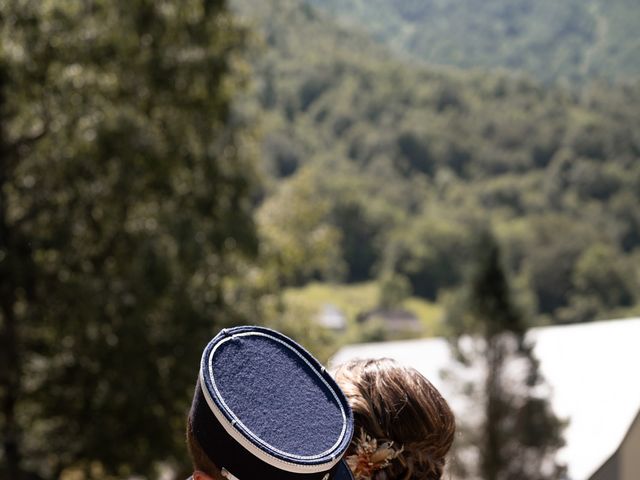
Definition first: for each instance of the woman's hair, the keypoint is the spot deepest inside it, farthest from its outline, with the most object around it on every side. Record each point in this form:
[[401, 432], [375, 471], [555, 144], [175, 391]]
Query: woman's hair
[[393, 403], [199, 459]]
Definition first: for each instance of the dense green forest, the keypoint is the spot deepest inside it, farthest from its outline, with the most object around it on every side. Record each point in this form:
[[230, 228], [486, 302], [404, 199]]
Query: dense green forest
[[166, 172], [379, 169], [571, 40]]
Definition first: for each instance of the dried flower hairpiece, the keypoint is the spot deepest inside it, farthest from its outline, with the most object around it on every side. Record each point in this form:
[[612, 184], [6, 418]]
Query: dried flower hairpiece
[[369, 457]]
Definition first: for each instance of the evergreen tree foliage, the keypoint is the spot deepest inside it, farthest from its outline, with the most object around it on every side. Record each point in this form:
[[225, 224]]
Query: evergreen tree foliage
[[517, 434], [125, 211]]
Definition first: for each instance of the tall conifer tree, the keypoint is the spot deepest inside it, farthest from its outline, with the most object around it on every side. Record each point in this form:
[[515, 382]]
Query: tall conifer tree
[[125, 205], [517, 433]]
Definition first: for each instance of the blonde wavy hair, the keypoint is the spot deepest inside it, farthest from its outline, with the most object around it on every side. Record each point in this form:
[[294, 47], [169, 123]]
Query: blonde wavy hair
[[404, 426]]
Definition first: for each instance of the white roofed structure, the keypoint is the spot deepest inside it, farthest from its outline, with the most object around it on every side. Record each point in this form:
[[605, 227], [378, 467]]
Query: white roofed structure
[[592, 369]]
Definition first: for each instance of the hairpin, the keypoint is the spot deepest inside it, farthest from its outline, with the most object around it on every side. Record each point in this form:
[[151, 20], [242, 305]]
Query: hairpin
[[369, 457]]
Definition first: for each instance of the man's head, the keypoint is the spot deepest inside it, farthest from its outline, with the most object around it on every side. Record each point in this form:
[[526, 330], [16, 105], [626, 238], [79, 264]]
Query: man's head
[[264, 408]]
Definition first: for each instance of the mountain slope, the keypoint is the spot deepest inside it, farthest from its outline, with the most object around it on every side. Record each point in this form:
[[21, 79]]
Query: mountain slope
[[379, 169], [571, 40]]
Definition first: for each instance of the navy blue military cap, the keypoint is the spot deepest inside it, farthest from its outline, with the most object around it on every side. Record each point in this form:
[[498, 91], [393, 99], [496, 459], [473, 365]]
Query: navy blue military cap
[[265, 409]]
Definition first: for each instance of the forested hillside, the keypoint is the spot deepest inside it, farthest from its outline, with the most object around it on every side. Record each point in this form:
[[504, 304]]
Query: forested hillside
[[384, 171], [569, 39]]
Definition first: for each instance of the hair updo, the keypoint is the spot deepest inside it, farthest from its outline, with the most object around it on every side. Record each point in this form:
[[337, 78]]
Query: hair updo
[[396, 407]]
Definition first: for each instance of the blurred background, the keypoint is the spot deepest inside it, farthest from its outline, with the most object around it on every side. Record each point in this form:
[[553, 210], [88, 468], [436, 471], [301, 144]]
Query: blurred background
[[447, 182]]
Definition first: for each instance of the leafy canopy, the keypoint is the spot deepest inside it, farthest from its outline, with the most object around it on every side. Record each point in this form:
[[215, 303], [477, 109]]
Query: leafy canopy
[[125, 209]]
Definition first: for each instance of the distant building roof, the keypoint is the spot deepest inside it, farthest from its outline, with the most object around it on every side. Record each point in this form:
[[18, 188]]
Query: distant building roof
[[592, 369], [332, 317], [393, 319]]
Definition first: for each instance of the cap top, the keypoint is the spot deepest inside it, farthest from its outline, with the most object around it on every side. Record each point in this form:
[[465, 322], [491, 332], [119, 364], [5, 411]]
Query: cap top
[[261, 405], [275, 401]]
